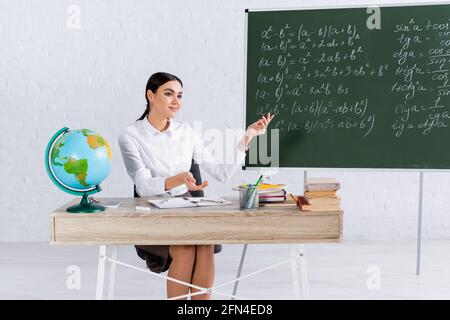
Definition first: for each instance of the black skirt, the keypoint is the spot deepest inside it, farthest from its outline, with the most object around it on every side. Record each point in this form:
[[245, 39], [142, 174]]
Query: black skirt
[[157, 257]]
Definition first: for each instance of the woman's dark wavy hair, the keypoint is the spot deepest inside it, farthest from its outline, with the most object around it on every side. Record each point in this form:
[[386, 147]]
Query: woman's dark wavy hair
[[154, 82]]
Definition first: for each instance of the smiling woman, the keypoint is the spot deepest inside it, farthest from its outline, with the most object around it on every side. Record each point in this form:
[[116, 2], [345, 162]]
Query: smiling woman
[[161, 79], [158, 153]]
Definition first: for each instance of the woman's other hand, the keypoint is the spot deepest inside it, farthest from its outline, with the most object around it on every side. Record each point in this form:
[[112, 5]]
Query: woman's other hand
[[183, 178], [189, 181], [259, 127]]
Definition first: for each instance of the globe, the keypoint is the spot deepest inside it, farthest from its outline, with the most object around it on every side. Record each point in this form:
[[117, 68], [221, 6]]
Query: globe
[[77, 161]]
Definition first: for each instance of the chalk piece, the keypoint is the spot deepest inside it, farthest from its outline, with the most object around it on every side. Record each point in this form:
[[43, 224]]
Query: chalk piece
[[142, 208]]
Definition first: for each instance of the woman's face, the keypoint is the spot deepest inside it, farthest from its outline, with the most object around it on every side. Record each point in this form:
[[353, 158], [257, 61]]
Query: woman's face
[[166, 101]]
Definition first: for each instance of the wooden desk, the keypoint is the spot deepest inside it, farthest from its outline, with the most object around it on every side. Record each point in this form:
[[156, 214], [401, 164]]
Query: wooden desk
[[200, 225]]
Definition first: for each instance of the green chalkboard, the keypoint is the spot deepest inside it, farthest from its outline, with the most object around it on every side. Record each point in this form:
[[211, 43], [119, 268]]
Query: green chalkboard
[[350, 87]]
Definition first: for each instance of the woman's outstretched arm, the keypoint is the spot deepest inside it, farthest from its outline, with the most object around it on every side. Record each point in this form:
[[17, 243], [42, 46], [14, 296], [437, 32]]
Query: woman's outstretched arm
[[255, 129]]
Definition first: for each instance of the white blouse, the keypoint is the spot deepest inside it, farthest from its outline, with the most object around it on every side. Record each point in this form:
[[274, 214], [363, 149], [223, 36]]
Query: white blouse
[[152, 156]]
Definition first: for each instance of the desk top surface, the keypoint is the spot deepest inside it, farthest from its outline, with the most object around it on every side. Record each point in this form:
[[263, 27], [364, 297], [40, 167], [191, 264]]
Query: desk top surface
[[128, 209], [195, 225]]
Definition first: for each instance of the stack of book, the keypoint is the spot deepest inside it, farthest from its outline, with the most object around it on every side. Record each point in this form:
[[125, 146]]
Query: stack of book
[[320, 195], [271, 192], [275, 195]]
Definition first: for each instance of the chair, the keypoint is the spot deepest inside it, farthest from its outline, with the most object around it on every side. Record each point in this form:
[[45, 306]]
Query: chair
[[195, 170]]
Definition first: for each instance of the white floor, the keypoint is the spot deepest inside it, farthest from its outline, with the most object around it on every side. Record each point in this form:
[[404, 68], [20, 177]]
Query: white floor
[[347, 270]]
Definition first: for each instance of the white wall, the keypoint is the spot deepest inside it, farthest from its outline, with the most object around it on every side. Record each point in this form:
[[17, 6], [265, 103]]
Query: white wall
[[94, 77]]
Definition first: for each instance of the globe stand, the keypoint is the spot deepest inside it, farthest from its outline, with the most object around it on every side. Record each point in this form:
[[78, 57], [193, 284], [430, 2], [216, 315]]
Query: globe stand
[[85, 206]]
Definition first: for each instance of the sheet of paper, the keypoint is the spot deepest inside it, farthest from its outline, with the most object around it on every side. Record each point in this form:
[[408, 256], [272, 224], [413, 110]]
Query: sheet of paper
[[110, 203], [186, 202], [176, 202], [209, 201]]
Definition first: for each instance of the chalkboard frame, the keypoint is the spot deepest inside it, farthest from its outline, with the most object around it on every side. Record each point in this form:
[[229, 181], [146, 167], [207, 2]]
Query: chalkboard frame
[[335, 169]]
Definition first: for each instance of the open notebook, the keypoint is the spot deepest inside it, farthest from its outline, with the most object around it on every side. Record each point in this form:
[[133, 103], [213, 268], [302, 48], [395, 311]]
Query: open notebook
[[186, 202]]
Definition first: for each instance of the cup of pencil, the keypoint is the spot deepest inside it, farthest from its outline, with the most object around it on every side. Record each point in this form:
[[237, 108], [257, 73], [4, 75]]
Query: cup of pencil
[[248, 197]]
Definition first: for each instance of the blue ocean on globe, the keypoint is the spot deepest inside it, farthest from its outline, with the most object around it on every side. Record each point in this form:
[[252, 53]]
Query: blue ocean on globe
[[81, 159]]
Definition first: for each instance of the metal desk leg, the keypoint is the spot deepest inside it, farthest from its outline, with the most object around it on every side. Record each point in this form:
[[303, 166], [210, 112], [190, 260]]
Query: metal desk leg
[[112, 276], [101, 272], [303, 272], [419, 225], [241, 263], [294, 272]]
